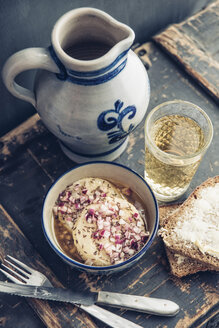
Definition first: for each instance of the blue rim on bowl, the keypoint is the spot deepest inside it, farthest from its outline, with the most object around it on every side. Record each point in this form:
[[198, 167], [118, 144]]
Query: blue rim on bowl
[[90, 268]]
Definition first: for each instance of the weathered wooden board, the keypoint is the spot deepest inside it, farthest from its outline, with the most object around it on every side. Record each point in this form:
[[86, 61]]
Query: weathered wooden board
[[53, 314], [149, 277], [12, 141], [34, 162], [195, 44]]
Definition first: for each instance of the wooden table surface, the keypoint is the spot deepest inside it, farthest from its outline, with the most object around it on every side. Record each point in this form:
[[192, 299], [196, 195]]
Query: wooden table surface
[[31, 160]]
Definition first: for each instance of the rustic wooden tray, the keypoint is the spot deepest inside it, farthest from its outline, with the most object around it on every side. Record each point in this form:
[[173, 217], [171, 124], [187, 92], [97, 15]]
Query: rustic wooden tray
[[195, 44], [23, 183]]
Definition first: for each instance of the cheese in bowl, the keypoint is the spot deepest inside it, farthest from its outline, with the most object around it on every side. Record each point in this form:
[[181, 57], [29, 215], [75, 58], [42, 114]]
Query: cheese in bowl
[[100, 217], [97, 223]]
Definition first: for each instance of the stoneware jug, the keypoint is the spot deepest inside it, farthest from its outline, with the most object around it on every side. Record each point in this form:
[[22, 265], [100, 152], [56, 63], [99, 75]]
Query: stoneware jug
[[91, 89]]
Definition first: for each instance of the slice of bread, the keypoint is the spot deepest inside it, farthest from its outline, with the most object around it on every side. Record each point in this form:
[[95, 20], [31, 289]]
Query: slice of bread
[[193, 229], [180, 265]]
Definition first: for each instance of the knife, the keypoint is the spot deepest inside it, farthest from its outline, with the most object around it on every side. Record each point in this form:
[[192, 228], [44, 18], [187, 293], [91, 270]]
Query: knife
[[132, 302]]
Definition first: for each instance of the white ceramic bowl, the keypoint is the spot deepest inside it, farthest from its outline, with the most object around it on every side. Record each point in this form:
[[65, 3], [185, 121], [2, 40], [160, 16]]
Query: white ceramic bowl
[[105, 170]]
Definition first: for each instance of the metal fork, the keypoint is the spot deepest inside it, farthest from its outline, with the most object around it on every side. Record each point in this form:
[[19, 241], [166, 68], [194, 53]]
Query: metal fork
[[29, 276]]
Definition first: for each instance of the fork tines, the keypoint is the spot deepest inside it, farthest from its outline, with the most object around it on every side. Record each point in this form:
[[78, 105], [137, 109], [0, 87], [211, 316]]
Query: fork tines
[[14, 272]]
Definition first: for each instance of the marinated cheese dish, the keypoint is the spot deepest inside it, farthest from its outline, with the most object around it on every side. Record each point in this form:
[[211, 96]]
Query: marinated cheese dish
[[99, 223]]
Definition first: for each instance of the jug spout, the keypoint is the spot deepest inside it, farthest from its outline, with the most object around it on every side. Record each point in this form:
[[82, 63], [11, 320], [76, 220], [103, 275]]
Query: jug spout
[[88, 39]]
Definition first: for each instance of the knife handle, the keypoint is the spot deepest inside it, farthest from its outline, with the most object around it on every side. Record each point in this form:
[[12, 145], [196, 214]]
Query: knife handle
[[111, 319], [150, 305]]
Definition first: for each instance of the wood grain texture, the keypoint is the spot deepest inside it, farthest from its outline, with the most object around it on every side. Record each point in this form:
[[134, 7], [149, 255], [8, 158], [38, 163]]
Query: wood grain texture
[[53, 314], [194, 43], [13, 140], [27, 175]]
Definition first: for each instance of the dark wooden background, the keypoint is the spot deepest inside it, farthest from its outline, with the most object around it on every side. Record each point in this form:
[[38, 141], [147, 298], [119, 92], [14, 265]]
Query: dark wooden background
[[28, 23]]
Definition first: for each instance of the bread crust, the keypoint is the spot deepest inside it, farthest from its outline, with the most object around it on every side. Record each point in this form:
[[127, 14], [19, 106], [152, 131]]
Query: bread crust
[[184, 265], [204, 261]]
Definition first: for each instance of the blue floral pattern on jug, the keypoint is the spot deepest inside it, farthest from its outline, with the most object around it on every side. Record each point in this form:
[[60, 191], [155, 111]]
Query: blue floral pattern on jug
[[112, 118]]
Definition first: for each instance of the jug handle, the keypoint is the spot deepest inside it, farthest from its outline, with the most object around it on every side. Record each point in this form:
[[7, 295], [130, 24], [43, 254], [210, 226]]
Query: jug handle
[[31, 58]]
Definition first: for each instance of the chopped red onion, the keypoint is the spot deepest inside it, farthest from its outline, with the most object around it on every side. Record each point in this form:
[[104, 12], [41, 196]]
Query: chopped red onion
[[91, 211]]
